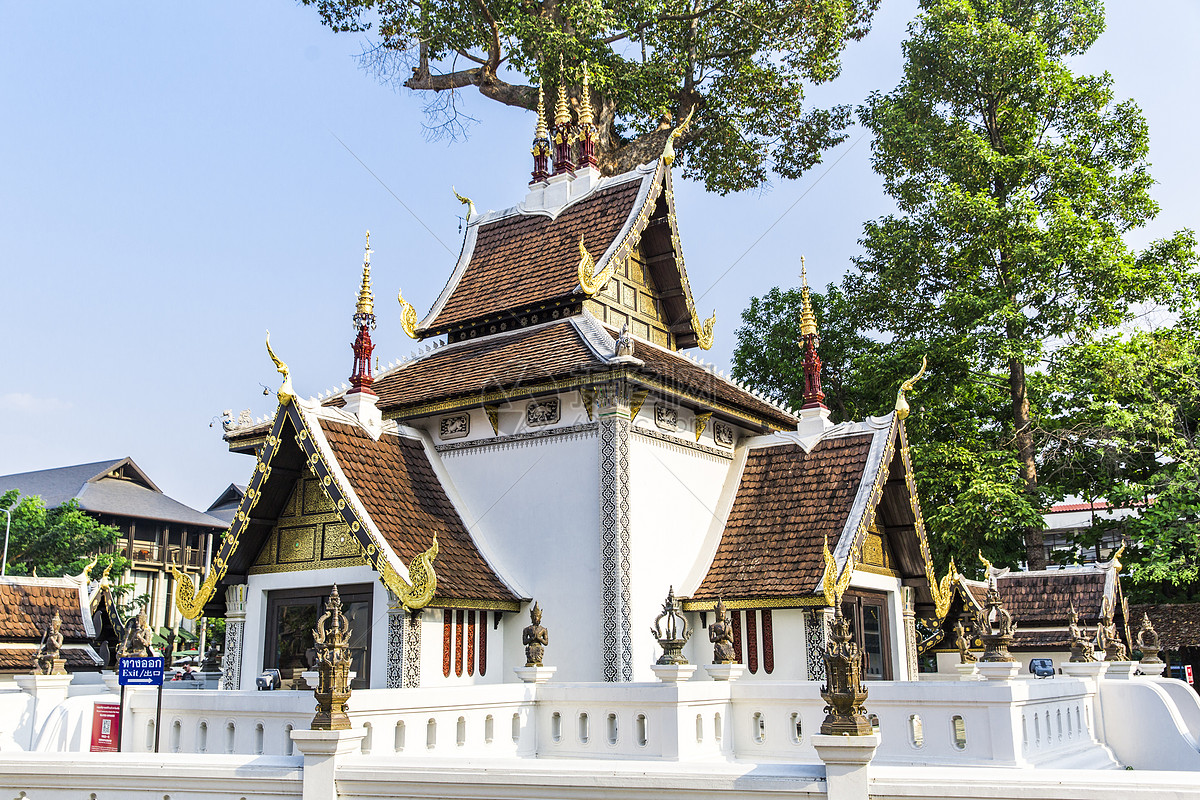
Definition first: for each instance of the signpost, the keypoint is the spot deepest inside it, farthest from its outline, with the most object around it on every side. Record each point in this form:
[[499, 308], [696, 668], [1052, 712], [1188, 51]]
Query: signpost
[[1187, 671], [106, 725], [138, 671]]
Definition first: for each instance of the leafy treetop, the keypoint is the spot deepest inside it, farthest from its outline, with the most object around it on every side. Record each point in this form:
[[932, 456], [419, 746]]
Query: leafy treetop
[[742, 65]]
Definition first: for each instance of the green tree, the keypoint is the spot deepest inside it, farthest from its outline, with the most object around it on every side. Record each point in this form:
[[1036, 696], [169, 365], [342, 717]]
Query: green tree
[[741, 65], [967, 479], [1123, 424], [1015, 182], [57, 541]]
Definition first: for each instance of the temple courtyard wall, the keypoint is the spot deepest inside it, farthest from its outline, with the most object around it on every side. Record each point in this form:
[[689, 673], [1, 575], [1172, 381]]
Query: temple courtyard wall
[[1078, 737]]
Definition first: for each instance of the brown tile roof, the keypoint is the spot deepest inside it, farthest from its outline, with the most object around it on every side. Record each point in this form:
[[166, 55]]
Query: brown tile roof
[[678, 371], [1178, 624], [1029, 639], [521, 358], [1045, 598], [788, 501], [27, 605], [524, 259], [396, 483], [21, 659], [535, 355]]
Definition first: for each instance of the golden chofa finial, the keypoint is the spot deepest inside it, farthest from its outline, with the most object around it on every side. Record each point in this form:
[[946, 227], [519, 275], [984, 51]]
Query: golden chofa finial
[[366, 300], [586, 115], [562, 112], [541, 133], [808, 320]]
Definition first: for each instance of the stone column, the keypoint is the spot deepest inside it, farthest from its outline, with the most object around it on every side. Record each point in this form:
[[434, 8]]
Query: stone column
[[909, 602], [846, 760], [816, 638], [613, 401], [403, 646], [322, 750], [235, 628]]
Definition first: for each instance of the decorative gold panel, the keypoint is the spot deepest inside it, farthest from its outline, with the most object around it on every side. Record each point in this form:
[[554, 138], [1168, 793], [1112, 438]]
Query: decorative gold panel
[[316, 538], [338, 542], [297, 544], [873, 550]]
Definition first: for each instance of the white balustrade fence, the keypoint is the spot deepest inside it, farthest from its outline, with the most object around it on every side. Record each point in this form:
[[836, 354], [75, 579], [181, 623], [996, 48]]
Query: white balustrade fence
[[997, 723]]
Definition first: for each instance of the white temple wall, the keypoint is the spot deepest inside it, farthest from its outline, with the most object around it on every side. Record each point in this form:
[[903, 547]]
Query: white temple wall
[[257, 587], [673, 494], [532, 506], [891, 586], [947, 663], [432, 650]]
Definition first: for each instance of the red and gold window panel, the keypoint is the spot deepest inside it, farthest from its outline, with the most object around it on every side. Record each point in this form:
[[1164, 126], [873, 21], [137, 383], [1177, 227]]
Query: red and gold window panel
[[447, 623], [471, 642], [458, 643], [768, 641], [736, 617], [752, 640], [483, 628]]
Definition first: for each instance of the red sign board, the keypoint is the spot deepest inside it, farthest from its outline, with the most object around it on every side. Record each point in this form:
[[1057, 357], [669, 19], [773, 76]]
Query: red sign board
[[1187, 673], [106, 725]]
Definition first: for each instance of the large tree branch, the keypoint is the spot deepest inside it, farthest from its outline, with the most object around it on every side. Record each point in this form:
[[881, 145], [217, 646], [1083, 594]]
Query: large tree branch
[[490, 86]]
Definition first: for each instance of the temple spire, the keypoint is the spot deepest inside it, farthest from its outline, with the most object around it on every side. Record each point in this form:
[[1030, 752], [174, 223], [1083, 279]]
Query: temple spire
[[364, 321], [564, 132], [810, 340], [587, 124], [541, 143]]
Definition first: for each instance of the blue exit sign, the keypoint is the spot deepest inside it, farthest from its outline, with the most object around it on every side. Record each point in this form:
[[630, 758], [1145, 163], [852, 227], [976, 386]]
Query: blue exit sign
[[138, 671]]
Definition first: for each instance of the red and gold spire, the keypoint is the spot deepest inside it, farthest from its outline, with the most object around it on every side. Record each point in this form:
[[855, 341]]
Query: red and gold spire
[[587, 125], [364, 321], [564, 131], [810, 340], [541, 143]]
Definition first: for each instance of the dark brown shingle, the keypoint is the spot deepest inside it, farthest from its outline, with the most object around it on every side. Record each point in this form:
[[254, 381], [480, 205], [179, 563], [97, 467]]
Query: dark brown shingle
[[524, 259], [396, 483], [27, 605], [788, 501]]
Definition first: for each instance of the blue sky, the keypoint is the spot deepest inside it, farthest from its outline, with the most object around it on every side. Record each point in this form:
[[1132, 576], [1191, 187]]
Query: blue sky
[[172, 187]]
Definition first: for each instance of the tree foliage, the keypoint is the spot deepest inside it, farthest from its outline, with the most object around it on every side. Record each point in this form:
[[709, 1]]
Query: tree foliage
[[57, 541], [1016, 182], [1123, 424], [741, 65]]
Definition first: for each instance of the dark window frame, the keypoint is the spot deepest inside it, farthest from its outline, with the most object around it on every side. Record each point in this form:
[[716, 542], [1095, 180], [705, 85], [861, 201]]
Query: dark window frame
[[852, 607], [316, 595]]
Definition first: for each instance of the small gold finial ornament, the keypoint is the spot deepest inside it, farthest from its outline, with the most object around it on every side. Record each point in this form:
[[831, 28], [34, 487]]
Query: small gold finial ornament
[[542, 132], [993, 624], [333, 667], [844, 691], [408, 316], [366, 299], [671, 637], [1082, 650], [535, 638], [808, 319], [586, 115], [902, 408], [1148, 642], [285, 393], [669, 149], [720, 633], [466, 201], [562, 112], [49, 659]]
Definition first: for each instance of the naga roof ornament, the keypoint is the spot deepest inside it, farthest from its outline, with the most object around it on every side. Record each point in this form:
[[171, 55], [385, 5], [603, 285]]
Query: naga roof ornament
[[902, 408], [285, 392], [589, 280], [669, 150]]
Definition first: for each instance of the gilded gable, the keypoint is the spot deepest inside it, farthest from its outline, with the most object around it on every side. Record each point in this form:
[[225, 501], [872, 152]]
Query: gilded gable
[[309, 534]]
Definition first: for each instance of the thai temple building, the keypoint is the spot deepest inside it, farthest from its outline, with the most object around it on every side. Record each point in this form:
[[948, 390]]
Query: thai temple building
[[555, 554], [560, 443]]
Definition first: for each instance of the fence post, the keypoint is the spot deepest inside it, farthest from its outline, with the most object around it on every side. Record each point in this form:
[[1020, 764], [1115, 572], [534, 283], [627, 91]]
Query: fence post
[[322, 751], [846, 759]]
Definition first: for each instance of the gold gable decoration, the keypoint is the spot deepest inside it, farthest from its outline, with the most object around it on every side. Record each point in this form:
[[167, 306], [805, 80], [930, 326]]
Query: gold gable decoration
[[833, 585], [589, 280], [704, 330], [408, 316], [191, 600]]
